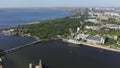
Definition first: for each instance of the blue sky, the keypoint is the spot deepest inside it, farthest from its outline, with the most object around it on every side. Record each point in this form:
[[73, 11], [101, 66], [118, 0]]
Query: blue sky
[[59, 3]]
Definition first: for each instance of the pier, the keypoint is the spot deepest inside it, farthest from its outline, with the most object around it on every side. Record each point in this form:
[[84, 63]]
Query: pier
[[21, 46]]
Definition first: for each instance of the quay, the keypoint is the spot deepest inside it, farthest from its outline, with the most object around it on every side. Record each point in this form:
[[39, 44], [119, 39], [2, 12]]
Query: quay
[[92, 45], [101, 47]]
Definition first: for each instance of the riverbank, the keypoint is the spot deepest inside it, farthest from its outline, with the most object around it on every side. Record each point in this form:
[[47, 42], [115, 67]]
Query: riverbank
[[101, 47], [53, 29], [47, 37], [95, 45]]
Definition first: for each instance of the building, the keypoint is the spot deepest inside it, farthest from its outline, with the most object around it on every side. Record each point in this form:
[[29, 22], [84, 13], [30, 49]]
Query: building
[[104, 18], [91, 17], [111, 14], [98, 14], [8, 32], [75, 17], [93, 20], [93, 27], [1, 65], [96, 39], [78, 29], [112, 26], [109, 26], [30, 65], [81, 36], [37, 66], [115, 37]]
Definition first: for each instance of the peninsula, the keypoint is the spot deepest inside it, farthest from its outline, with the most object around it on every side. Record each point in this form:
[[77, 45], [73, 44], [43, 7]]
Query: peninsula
[[89, 26]]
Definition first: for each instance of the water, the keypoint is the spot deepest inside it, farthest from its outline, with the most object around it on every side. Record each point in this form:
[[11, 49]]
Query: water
[[8, 42], [58, 54], [55, 53], [14, 17]]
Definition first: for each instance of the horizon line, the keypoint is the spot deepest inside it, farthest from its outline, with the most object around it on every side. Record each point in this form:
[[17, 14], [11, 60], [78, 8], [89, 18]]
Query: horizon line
[[64, 7]]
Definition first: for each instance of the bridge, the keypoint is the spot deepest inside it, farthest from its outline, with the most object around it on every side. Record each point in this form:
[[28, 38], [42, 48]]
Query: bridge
[[20, 47]]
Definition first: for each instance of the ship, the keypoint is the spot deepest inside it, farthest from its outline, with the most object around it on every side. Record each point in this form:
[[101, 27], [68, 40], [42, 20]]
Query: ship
[[72, 41]]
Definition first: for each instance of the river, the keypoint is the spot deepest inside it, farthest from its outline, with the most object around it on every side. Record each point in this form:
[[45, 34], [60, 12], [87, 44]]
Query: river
[[54, 53], [57, 54]]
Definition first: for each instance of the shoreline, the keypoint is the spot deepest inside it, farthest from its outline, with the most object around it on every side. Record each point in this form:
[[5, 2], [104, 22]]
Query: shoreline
[[96, 46], [84, 43], [80, 43], [101, 47]]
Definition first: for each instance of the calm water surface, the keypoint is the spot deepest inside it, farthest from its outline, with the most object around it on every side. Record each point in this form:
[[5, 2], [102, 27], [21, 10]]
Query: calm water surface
[[14, 17], [57, 54]]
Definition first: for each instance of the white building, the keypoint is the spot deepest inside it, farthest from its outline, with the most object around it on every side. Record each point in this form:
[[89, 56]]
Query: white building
[[111, 14], [93, 27], [93, 20], [115, 37], [98, 14], [112, 26], [103, 18], [37, 66], [10, 31], [78, 29], [82, 36], [30, 65], [1, 66]]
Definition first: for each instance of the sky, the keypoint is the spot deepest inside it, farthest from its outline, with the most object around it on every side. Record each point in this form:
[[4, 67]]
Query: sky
[[59, 3]]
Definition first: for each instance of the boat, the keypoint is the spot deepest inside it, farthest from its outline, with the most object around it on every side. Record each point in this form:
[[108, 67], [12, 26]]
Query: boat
[[71, 41]]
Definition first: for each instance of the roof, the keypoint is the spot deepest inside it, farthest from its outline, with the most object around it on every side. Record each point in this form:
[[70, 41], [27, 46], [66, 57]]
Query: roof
[[83, 36], [110, 25], [93, 27], [95, 38], [104, 18]]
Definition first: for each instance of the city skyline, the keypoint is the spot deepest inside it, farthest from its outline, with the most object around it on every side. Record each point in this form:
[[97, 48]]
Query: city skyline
[[60, 3]]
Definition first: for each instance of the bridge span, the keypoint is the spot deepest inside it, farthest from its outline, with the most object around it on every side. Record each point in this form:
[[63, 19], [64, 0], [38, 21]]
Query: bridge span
[[21, 46]]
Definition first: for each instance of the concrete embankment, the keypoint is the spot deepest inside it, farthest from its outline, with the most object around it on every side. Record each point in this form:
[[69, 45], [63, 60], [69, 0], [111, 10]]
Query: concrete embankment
[[101, 47], [96, 46]]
